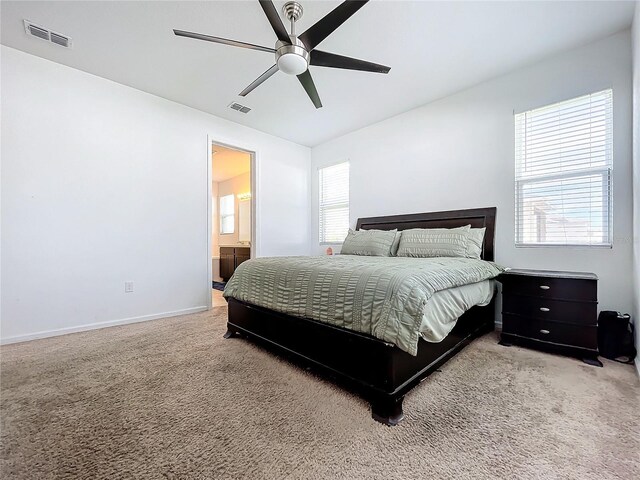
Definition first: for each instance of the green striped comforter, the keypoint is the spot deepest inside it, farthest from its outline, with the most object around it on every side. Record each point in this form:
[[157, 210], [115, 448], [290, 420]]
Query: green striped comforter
[[380, 296]]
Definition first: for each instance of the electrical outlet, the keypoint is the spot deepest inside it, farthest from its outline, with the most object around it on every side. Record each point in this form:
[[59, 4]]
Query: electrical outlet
[[128, 287]]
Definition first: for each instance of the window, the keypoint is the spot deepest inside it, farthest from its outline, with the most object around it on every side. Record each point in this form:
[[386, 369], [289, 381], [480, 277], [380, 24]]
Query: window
[[227, 214], [563, 172], [334, 202]]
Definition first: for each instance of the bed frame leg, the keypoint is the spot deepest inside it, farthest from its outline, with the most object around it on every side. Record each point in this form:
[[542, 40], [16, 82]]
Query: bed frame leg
[[230, 333], [387, 410]]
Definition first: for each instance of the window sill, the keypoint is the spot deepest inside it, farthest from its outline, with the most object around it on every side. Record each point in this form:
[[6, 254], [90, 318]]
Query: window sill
[[561, 245]]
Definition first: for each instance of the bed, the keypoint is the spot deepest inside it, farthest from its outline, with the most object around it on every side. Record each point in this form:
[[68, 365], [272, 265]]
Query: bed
[[378, 370]]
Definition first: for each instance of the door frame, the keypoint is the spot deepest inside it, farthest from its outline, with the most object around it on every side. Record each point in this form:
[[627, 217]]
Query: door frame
[[255, 213]]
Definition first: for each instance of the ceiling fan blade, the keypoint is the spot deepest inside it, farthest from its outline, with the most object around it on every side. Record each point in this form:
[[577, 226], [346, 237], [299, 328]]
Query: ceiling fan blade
[[224, 41], [330, 22], [259, 80], [326, 59], [310, 87], [275, 20]]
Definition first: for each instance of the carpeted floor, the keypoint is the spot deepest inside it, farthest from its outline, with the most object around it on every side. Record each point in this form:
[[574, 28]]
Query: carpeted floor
[[172, 399]]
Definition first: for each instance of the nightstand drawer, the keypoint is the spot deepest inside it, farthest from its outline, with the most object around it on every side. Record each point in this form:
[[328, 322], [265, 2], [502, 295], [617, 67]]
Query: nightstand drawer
[[549, 287], [581, 313], [549, 331]]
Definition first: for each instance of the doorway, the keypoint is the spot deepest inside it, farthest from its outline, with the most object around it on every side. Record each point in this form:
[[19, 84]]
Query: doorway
[[232, 214]]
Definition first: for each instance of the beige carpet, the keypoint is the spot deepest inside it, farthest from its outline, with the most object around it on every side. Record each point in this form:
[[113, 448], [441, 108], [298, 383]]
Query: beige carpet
[[172, 399]]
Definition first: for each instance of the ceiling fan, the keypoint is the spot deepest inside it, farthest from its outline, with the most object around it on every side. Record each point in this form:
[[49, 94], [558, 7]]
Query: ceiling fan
[[295, 53]]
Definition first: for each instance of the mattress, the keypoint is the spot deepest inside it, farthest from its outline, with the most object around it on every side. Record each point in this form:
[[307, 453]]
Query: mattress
[[386, 297], [445, 307]]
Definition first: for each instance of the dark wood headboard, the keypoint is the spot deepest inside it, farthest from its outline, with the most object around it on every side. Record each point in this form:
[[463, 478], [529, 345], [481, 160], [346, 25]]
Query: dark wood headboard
[[476, 217]]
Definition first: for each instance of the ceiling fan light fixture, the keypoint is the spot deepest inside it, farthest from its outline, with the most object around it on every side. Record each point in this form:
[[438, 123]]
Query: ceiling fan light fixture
[[292, 59], [292, 64]]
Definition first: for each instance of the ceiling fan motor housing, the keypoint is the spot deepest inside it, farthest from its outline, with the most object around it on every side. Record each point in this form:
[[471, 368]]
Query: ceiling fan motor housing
[[292, 59]]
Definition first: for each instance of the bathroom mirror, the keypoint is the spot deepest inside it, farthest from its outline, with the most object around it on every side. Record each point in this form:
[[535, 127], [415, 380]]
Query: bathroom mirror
[[244, 221]]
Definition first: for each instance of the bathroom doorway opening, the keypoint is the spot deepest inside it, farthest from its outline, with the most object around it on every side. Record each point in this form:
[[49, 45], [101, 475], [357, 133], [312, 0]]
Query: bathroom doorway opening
[[232, 214]]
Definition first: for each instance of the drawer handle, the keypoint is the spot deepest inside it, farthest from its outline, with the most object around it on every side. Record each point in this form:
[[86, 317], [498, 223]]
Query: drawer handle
[[544, 309], [545, 332], [545, 287]]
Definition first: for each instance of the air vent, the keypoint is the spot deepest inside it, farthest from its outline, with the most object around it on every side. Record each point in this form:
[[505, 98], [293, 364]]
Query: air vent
[[38, 32], [42, 33], [239, 108], [60, 40]]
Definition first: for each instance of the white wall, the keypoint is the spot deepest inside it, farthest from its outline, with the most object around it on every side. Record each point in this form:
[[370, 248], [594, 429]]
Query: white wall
[[636, 176], [102, 183], [458, 152]]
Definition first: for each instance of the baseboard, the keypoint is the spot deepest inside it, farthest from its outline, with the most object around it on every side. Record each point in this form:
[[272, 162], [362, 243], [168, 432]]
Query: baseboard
[[98, 325]]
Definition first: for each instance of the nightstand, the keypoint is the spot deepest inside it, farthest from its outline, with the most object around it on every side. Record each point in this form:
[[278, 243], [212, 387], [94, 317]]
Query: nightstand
[[551, 311]]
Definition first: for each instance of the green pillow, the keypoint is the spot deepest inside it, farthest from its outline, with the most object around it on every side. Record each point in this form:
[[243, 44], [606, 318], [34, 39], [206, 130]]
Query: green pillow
[[476, 239], [434, 242], [376, 243], [396, 244]]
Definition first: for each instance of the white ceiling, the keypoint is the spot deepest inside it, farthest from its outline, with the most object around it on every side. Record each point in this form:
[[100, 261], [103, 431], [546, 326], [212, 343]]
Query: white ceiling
[[433, 48], [229, 163]]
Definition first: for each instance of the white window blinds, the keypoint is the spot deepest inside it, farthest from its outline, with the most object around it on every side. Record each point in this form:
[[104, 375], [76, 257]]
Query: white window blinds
[[334, 202], [564, 155]]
